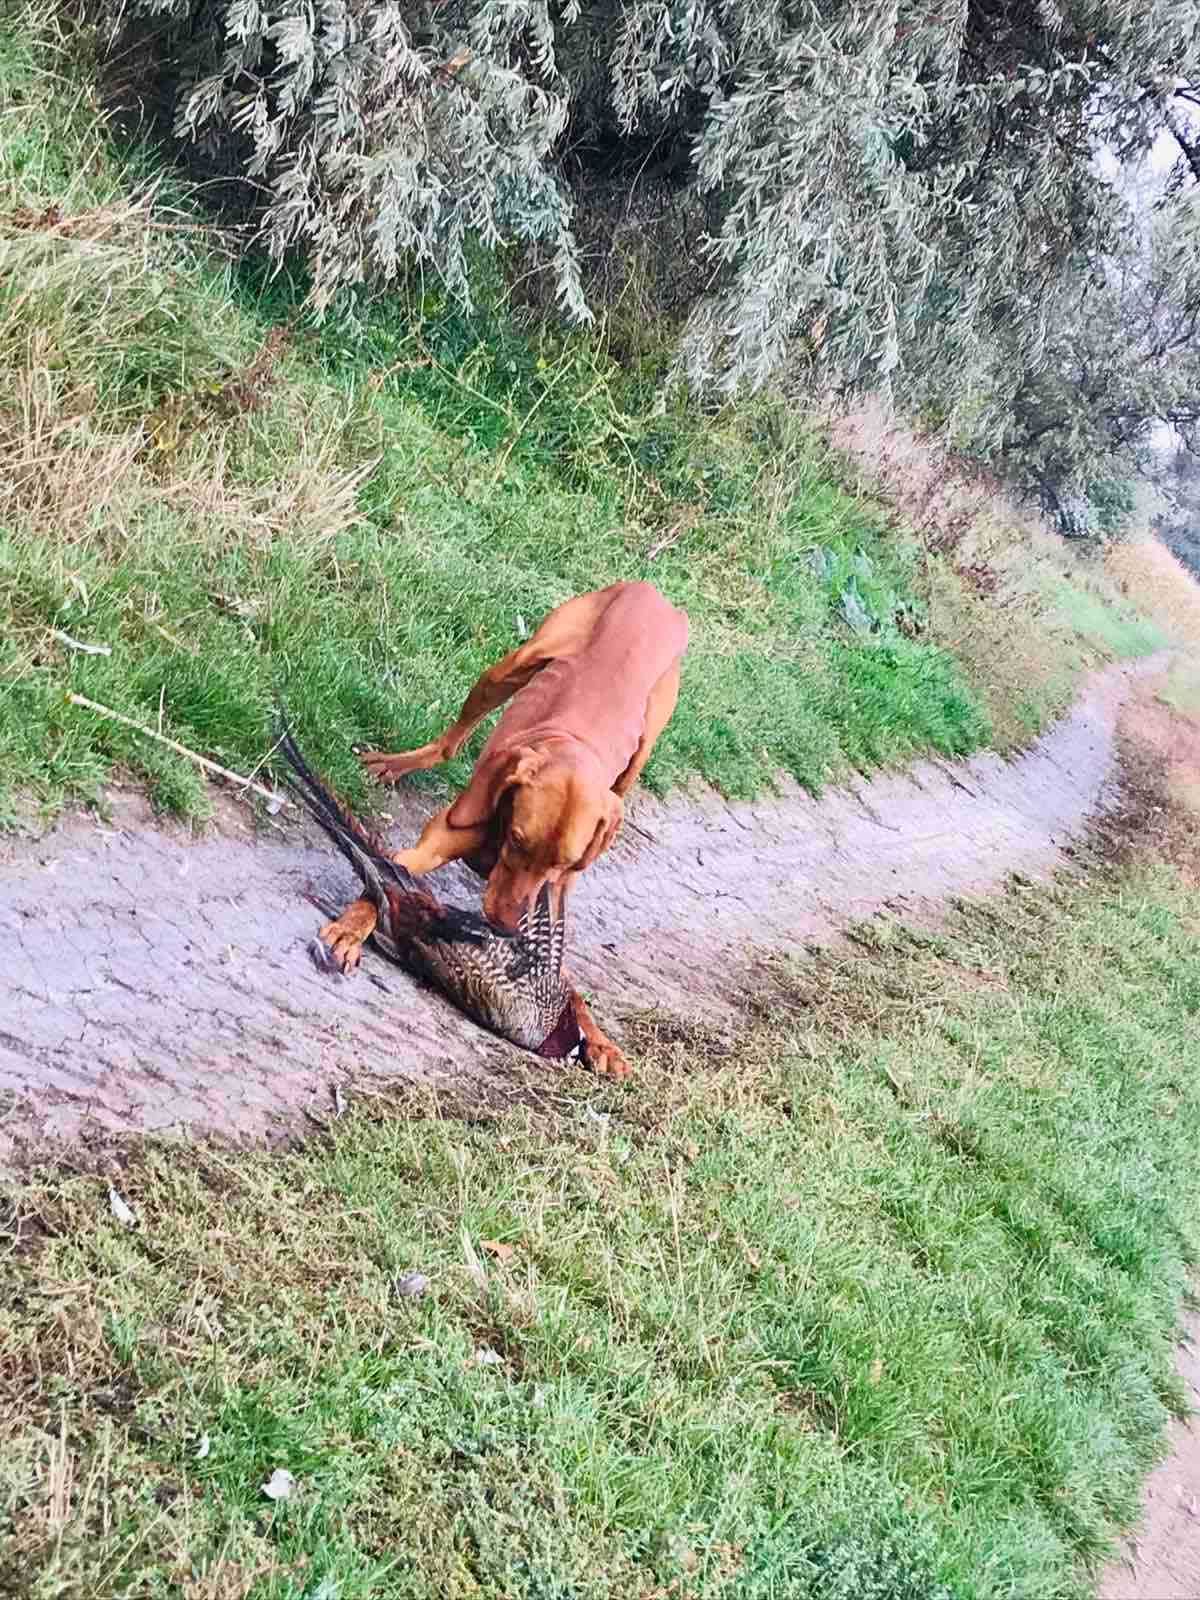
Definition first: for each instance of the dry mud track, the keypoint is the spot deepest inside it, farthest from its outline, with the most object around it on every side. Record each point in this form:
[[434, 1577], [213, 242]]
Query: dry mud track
[[153, 981]]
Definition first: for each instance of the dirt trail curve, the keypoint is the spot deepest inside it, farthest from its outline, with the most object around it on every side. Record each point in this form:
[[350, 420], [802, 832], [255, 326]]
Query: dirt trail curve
[[1160, 1559], [151, 980]]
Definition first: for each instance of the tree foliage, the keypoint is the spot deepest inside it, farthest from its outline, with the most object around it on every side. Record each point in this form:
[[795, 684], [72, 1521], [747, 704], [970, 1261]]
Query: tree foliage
[[1178, 522], [1118, 373], [896, 194]]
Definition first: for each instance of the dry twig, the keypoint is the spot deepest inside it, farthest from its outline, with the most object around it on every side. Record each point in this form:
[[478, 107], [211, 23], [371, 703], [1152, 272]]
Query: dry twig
[[276, 800]]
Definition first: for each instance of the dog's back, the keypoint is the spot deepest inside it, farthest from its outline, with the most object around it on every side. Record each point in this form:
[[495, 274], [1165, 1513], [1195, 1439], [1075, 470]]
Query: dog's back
[[598, 692]]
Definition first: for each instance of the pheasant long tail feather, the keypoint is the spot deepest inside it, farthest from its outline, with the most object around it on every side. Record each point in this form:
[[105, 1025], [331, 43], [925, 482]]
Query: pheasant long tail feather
[[414, 908], [340, 825]]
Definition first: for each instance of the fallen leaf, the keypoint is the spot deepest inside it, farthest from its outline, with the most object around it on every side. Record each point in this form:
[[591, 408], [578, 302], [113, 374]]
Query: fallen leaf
[[279, 1485], [876, 1372], [494, 1247], [120, 1209]]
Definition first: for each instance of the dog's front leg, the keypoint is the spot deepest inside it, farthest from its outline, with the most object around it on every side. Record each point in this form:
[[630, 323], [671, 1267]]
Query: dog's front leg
[[498, 684], [345, 936], [440, 843]]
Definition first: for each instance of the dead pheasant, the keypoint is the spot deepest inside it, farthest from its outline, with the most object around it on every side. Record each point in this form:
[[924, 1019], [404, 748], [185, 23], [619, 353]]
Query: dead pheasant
[[510, 984]]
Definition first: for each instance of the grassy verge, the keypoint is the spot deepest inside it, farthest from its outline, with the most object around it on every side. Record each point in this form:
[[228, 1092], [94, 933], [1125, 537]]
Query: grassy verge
[[877, 1301], [1127, 601], [230, 501]]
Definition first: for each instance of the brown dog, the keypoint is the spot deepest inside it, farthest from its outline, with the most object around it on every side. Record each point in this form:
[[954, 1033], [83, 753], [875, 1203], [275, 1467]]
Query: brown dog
[[591, 692]]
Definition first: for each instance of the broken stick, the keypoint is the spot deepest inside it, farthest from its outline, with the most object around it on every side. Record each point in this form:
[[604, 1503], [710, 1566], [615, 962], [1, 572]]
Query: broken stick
[[180, 749]]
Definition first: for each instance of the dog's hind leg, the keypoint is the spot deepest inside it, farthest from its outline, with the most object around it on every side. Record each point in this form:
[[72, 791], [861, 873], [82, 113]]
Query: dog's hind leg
[[660, 708]]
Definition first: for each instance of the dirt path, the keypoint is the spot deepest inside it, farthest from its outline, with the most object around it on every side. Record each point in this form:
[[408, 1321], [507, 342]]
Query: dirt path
[[1160, 1560], [153, 981]]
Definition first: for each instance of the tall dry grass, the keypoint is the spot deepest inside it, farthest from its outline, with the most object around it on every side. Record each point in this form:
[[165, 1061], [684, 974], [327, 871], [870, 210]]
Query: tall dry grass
[[1146, 573], [126, 392]]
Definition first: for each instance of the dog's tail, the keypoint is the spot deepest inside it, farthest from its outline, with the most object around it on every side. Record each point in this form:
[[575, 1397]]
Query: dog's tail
[[374, 868]]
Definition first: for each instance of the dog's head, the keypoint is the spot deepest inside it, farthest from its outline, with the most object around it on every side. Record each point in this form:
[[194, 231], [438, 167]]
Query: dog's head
[[555, 816]]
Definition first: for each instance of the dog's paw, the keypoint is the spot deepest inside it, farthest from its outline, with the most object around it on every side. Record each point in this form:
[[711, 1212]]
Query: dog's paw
[[383, 768], [343, 948], [605, 1058], [386, 768]]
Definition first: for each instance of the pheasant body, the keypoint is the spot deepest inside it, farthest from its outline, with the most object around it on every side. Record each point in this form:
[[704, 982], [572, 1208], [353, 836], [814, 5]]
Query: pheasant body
[[510, 984]]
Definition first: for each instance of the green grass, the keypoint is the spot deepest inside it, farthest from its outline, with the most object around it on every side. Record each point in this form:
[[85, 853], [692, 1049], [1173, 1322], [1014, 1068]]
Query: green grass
[[1122, 635], [876, 1301], [366, 516]]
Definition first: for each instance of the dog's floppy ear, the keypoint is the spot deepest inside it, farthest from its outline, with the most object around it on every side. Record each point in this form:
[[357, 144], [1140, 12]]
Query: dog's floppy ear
[[606, 831], [490, 780]]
